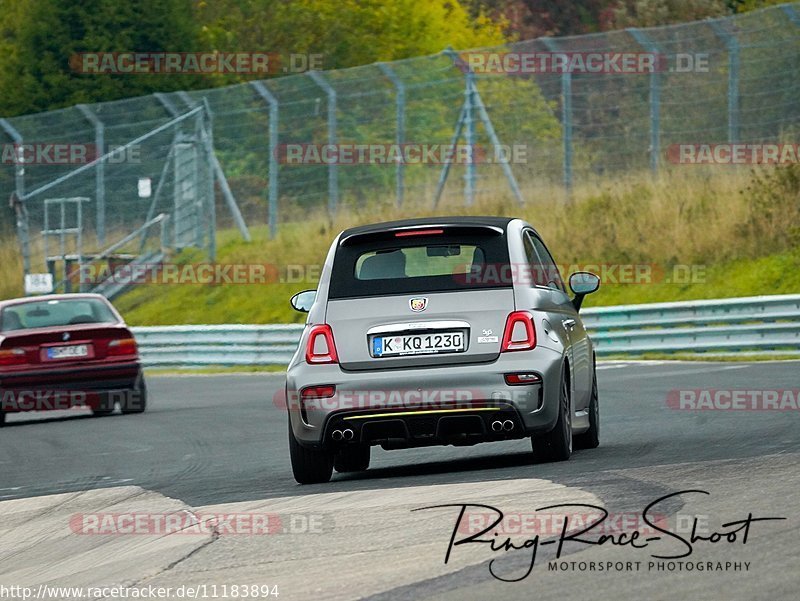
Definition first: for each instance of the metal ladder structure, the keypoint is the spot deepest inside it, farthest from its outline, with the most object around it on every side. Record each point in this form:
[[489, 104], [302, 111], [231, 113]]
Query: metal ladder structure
[[71, 258], [62, 231], [74, 233]]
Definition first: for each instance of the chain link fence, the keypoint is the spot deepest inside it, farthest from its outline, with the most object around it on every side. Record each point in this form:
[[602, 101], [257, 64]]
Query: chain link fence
[[258, 149]]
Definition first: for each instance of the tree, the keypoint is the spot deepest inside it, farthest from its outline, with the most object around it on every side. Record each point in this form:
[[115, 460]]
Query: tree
[[40, 40], [529, 19], [345, 33]]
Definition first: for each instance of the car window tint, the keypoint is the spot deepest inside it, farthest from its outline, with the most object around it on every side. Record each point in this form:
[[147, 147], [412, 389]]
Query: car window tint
[[55, 313], [383, 263], [537, 276], [419, 261], [549, 270]]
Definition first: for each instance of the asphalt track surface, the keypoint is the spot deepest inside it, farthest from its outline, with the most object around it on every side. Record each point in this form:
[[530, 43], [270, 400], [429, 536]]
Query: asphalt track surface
[[220, 441]]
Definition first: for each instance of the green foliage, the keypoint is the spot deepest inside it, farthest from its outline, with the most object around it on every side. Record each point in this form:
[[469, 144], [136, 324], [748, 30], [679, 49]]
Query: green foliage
[[40, 38], [652, 13], [345, 32], [528, 19], [743, 6]]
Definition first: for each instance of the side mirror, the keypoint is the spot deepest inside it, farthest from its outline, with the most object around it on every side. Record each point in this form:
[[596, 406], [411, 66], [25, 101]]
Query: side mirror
[[582, 283], [302, 301]]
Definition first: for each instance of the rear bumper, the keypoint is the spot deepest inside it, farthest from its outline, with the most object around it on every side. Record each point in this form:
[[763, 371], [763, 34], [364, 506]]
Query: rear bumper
[[65, 387], [425, 406]]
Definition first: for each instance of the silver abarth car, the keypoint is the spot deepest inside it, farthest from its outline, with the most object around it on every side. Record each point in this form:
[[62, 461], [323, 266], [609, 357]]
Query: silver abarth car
[[436, 331]]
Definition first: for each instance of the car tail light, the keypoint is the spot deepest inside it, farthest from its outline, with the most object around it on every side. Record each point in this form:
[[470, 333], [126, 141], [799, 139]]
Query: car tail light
[[519, 335], [318, 392], [123, 346], [14, 356], [320, 347], [522, 379]]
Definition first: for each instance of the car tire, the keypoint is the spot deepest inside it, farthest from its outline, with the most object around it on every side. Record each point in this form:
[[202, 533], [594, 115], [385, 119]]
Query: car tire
[[136, 400], [352, 458], [309, 466], [591, 438], [556, 445], [105, 407], [2, 418]]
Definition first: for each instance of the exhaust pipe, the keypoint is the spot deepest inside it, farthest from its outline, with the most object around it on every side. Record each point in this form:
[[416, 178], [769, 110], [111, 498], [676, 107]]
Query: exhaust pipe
[[337, 435], [497, 425], [348, 434], [508, 425]]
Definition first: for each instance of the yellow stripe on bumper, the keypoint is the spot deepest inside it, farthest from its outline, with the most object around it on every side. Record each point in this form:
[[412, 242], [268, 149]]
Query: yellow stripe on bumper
[[426, 412]]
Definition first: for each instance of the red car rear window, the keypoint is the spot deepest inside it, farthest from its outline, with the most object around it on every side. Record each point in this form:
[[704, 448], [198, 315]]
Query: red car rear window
[[55, 313]]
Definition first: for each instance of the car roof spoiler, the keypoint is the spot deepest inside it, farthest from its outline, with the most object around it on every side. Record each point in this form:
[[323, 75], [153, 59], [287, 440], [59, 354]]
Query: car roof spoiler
[[426, 229]]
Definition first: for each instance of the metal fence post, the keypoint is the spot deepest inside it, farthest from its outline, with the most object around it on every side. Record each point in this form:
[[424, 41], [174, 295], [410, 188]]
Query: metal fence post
[[21, 210], [333, 168], [448, 161], [400, 127], [467, 121], [227, 194], [207, 133], [566, 119], [495, 140], [566, 92], [732, 44], [655, 98], [272, 101], [469, 135], [179, 219], [99, 174], [167, 104]]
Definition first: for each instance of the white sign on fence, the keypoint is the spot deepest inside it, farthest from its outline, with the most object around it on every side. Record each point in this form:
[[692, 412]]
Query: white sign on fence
[[38, 283]]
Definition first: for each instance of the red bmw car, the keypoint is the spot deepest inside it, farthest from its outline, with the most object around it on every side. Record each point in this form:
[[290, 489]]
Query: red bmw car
[[67, 350]]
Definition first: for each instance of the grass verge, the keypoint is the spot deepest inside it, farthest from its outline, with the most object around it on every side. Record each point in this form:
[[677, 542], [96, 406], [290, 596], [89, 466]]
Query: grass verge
[[702, 234]]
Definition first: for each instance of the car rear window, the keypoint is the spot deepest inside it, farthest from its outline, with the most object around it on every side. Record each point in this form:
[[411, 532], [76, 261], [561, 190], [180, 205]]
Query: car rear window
[[55, 313], [419, 261], [382, 265]]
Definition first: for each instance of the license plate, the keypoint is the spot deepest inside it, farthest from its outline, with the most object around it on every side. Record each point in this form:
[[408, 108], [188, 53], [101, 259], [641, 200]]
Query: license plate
[[68, 352], [418, 344]]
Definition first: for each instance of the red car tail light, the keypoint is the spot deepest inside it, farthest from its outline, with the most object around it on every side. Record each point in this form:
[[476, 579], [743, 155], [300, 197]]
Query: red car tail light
[[522, 379], [123, 346], [320, 347], [318, 392], [520, 334], [14, 356]]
